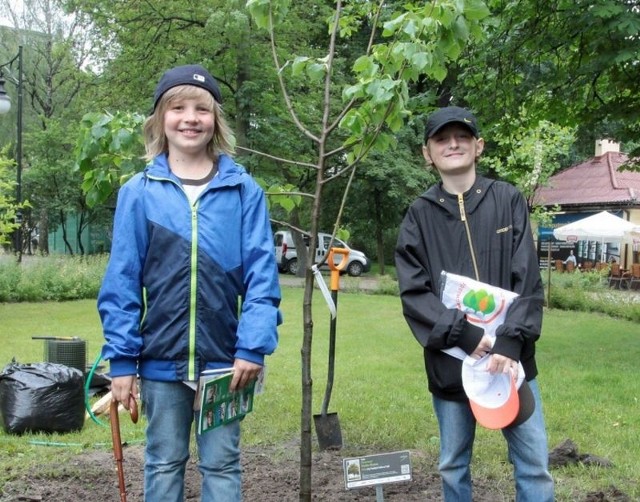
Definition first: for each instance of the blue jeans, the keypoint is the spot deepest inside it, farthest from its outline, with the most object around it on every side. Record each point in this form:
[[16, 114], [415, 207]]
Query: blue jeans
[[168, 407], [527, 445]]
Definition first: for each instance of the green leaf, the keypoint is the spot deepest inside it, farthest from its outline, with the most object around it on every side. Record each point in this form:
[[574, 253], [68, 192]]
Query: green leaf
[[299, 65], [365, 66], [439, 72], [393, 25], [476, 10], [353, 91], [316, 71], [261, 10], [410, 28]]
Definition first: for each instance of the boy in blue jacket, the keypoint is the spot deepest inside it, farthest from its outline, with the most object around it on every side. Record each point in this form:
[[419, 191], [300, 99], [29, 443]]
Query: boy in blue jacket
[[191, 284]]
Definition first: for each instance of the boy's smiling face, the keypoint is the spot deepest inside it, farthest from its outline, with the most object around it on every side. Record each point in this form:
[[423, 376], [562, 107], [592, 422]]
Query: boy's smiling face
[[453, 149], [189, 123]]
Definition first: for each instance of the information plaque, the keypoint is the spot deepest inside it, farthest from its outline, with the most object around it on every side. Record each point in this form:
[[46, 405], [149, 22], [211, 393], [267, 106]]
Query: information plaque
[[377, 469]]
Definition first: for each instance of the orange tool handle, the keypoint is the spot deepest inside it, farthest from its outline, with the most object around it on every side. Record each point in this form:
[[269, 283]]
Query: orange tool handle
[[335, 269]]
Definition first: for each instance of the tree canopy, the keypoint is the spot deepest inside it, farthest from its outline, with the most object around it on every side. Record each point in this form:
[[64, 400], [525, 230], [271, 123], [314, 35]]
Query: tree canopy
[[527, 66], [569, 62]]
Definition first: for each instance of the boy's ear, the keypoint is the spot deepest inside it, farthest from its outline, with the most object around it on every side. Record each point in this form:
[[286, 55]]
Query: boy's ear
[[426, 155], [479, 147]]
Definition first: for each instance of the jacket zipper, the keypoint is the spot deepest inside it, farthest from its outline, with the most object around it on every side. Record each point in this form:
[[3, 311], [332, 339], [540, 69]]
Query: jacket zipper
[[191, 370], [463, 218], [193, 281]]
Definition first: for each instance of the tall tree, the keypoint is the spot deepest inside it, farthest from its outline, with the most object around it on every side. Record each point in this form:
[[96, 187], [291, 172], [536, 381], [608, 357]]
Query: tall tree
[[55, 48], [8, 207], [54, 186], [570, 62]]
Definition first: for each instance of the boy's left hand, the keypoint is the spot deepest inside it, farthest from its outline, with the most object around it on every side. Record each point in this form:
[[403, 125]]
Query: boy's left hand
[[502, 364], [243, 373]]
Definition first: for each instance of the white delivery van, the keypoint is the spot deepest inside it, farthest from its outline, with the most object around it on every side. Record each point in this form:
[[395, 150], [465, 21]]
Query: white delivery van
[[287, 258]]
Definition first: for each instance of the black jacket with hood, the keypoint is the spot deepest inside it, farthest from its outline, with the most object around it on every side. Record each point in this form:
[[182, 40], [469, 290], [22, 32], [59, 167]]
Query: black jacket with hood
[[483, 234]]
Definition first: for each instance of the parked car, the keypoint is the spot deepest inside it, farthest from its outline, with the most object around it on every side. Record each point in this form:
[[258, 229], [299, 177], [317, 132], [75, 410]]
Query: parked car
[[287, 258]]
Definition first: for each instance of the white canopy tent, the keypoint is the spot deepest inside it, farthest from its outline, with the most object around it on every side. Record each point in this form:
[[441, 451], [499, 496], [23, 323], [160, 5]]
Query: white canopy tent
[[603, 226]]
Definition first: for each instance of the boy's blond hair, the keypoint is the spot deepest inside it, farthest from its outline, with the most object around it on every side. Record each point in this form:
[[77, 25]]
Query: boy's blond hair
[[155, 140]]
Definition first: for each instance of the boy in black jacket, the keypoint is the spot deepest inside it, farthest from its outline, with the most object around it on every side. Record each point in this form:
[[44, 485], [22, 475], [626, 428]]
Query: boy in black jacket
[[479, 228]]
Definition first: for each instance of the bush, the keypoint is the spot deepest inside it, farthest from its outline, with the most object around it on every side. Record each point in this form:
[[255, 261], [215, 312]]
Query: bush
[[387, 285], [590, 292], [58, 278], [9, 278], [62, 278]]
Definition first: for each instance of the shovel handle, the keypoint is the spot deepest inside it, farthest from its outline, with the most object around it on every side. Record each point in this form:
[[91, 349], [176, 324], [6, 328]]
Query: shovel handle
[[133, 408], [337, 268], [117, 440]]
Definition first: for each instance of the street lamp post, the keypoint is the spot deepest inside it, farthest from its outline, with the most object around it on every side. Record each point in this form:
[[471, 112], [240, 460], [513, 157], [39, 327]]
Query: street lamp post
[[5, 106]]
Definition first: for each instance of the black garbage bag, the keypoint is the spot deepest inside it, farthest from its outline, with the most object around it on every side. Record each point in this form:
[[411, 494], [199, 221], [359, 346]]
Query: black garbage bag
[[41, 397]]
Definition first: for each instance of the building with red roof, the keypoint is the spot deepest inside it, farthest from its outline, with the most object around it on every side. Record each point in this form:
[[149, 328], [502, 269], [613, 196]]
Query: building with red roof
[[597, 184]]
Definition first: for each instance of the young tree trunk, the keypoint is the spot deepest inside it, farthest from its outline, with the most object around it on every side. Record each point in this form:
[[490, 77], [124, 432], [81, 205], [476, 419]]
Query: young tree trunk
[[63, 225], [79, 230], [378, 230], [43, 233], [307, 388]]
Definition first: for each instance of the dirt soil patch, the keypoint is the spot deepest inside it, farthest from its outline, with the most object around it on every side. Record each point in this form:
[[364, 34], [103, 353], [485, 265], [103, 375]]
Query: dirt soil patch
[[269, 475]]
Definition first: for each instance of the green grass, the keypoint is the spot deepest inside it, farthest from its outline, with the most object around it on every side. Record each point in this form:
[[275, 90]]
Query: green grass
[[588, 378]]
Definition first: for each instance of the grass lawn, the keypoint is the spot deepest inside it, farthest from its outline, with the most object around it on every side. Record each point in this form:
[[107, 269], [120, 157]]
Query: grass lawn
[[588, 378]]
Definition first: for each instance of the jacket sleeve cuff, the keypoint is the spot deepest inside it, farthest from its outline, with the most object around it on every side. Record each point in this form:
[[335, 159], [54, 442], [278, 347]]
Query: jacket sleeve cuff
[[507, 346], [122, 367], [471, 336], [248, 355]]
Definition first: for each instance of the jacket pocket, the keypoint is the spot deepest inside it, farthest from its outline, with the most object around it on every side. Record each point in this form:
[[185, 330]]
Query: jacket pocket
[[444, 373]]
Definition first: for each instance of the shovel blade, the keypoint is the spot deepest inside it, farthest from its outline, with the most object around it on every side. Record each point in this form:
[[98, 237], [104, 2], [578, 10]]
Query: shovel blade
[[328, 431]]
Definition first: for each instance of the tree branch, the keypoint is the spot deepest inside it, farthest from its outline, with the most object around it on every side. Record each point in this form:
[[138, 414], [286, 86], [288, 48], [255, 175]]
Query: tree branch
[[285, 94], [368, 51], [283, 193], [277, 159], [290, 226]]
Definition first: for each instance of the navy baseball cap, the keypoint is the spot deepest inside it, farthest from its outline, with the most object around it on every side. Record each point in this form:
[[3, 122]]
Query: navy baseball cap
[[448, 115], [192, 74]]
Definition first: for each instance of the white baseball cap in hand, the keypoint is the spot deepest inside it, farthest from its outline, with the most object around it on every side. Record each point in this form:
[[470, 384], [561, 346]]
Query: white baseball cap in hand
[[498, 400]]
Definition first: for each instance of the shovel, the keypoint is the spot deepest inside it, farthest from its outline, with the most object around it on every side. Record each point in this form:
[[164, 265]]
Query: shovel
[[117, 441], [328, 424]]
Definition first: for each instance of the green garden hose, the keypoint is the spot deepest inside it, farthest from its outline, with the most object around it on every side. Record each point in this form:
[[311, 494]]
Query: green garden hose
[[87, 385]]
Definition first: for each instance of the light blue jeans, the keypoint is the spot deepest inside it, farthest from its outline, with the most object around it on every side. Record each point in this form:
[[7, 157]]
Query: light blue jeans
[[168, 407], [527, 445]]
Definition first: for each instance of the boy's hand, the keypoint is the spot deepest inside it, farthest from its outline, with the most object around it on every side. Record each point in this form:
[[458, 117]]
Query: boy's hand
[[122, 388], [502, 364], [483, 348], [244, 372]]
